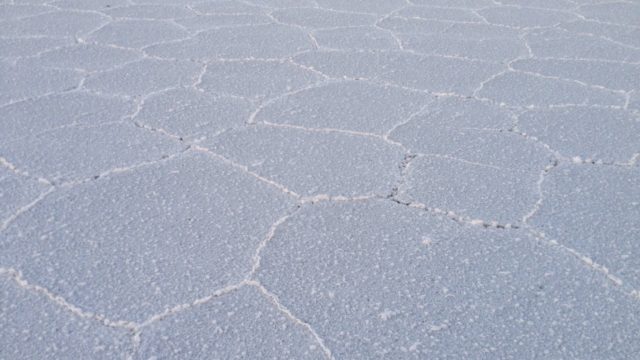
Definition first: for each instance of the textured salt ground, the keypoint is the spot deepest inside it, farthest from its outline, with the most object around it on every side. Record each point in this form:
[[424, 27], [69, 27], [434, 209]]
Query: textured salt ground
[[319, 179]]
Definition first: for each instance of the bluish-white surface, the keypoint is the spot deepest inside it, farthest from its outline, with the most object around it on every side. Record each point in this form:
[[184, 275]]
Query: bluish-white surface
[[320, 179]]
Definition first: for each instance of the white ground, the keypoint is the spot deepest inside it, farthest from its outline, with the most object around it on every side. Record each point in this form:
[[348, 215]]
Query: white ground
[[320, 179]]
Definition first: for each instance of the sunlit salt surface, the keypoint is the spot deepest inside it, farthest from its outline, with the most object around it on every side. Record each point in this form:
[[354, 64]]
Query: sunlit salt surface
[[320, 179]]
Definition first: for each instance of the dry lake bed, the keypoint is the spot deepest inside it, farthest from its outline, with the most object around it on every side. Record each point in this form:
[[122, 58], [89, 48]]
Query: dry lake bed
[[320, 179]]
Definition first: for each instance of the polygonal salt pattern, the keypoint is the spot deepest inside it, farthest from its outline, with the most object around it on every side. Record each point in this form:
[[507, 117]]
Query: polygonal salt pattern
[[313, 163], [13, 48], [613, 76], [237, 42], [438, 74], [226, 7], [137, 33], [80, 234], [31, 117], [84, 57], [364, 37], [225, 328], [205, 22], [579, 45], [439, 13], [89, 4], [317, 18], [378, 280], [593, 135], [154, 12], [494, 50], [83, 151], [56, 23], [23, 82], [319, 179], [144, 76], [16, 192], [624, 35], [595, 211], [524, 89], [193, 114], [255, 79], [33, 326], [525, 17], [362, 6], [617, 13], [356, 106]]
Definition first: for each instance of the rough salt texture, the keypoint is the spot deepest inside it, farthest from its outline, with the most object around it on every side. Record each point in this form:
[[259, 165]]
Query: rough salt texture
[[319, 179]]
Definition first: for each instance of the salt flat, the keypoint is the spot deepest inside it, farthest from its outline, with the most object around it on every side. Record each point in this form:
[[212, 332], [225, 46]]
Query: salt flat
[[320, 179]]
